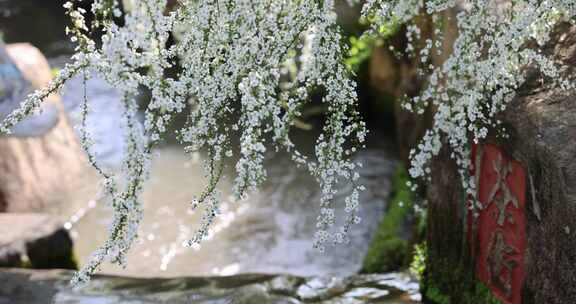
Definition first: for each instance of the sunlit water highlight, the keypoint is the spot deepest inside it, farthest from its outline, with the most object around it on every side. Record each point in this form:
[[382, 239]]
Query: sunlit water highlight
[[271, 232]]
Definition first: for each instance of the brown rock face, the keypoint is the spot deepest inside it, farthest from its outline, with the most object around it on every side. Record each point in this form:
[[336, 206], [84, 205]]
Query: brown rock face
[[397, 76], [35, 171], [543, 124], [541, 121]]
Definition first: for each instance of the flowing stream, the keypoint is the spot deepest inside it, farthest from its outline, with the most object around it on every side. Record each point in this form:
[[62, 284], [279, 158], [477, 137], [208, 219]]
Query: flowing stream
[[270, 233]]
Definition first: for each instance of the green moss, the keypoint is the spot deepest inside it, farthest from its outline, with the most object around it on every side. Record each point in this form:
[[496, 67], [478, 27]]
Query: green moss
[[360, 48], [434, 295], [483, 294], [450, 273], [479, 294], [388, 250], [73, 262], [25, 262], [453, 286], [421, 222], [418, 264]]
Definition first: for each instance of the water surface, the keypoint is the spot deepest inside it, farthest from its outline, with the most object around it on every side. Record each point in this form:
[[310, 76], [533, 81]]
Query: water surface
[[271, 232]]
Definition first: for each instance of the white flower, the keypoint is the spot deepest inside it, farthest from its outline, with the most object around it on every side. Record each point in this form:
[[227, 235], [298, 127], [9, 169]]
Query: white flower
[[269, 55]]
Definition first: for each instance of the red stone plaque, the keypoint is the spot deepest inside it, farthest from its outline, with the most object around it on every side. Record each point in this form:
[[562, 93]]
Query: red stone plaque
[[501, 222]]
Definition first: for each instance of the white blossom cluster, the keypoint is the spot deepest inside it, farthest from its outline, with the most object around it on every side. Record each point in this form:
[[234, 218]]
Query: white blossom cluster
[[248, 67], [235, 74], [490, 61], [489, 64]]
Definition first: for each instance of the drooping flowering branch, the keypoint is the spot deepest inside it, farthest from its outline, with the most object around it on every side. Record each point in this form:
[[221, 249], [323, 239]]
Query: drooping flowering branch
[[490, 61], [227, 52], [266, 57]]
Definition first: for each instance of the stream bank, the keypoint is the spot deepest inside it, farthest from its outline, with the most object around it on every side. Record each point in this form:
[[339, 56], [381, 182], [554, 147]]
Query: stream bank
[[51, 286]]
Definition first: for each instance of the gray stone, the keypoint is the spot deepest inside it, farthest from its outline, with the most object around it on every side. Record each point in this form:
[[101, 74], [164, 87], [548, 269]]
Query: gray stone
[[14, 88], [285, 285], [321, 288], [366, 293], [37, 239], [21, 286], [41, 165]]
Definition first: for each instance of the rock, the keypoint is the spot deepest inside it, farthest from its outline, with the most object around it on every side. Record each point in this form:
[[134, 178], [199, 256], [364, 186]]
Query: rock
[[390, 248], [366, 294], [36, 239], [284, 285], [24, 286], [393, 76], [317, 289], [37, 171], [541, 122], [14, 87], [51, 286]]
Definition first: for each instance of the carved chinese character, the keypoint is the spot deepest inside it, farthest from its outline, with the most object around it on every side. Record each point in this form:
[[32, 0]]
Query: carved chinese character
[[499, 264], [501, 194]]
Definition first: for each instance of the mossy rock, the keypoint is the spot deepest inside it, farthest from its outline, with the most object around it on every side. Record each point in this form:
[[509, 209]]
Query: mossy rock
[[473, 292], [391, 247]]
